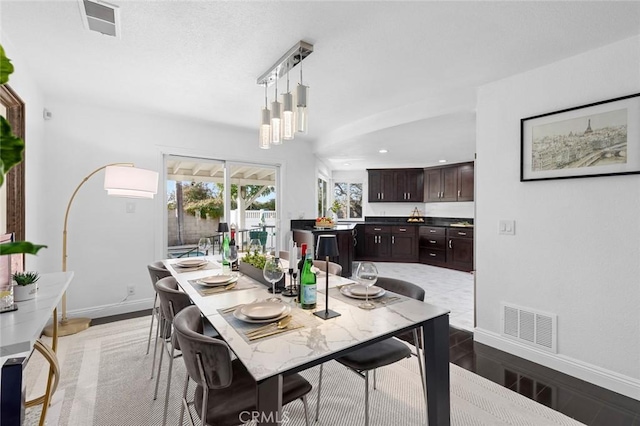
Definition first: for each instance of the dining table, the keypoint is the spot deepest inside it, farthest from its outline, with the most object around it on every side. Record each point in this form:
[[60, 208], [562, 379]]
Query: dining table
[[314, 341]]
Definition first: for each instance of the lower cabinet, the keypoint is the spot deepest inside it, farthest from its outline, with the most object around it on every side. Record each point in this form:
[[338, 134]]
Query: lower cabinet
[[404, 243], [447, 247], [389, 243]]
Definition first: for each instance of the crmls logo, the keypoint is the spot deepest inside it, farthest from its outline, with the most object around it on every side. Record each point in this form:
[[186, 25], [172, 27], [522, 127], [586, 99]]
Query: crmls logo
[[261, 417]]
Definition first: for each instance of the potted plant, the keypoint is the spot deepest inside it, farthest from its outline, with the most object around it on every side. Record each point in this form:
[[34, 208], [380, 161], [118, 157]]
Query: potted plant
[[25, 287], [335, 208]]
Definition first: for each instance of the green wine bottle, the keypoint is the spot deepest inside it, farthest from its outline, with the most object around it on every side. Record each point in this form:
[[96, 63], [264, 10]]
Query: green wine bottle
[[226, 266], [308, 283]]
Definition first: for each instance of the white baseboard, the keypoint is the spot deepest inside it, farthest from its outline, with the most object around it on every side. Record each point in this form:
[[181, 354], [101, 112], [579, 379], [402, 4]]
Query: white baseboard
[[123, 307], [607, 379]]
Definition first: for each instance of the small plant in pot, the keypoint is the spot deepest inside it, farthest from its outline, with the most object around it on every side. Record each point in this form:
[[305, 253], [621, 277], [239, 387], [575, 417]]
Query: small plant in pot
[[25, 287]]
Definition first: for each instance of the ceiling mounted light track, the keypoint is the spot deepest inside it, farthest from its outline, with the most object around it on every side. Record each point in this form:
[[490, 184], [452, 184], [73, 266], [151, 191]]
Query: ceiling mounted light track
[[290, 115]]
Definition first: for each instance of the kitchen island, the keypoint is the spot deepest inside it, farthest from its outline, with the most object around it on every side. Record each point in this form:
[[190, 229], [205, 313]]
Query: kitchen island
[[345, 235]]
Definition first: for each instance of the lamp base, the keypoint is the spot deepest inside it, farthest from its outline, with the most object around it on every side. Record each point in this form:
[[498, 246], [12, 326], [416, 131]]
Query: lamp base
[[68, 327], [326, 314]]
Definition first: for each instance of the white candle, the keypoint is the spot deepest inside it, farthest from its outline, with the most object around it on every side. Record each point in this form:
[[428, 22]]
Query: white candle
[[293, 258]]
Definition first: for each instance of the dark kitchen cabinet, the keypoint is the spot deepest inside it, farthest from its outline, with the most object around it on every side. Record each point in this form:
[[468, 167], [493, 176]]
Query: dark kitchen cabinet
[[346, 248], [449, 183], [404, 243], [433, 245], [396, 185], [377, 242], [460, 249]]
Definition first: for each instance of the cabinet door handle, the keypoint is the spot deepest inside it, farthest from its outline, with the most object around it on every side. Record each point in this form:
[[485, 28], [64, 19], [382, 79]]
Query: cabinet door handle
[[450, 245], [377, 229], [458, 193], [432, 231], [393, 239], [403, 229], [409, 194], [432, 254], [433, 242], [382, 195], [462, 233]]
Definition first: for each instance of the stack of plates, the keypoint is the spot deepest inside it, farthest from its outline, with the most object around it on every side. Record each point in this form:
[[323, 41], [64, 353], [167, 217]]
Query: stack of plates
[[191, 263], [217, 280], [358, 291], [262, 312]]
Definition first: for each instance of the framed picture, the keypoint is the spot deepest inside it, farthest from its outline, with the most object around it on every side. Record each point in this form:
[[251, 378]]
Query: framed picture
[[599, 139]]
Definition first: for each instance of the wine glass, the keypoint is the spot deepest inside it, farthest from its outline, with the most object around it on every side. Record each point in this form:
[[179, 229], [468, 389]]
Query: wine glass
[[232, 256], [255, 246], [367, 275], [273, 272], [204, 244]]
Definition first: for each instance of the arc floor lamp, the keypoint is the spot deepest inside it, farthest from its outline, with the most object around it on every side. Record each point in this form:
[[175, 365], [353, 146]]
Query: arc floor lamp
[[120, 180]]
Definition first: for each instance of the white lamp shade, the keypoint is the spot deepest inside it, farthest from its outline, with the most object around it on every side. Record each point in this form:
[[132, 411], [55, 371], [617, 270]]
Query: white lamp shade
[[123, 181]]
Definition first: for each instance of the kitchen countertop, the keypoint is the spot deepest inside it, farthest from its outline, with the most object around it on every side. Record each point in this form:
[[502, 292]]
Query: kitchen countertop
[[456, 222]]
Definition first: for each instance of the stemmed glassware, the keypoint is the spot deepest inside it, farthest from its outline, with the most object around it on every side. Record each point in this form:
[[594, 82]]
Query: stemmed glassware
[[204, 244], [367, 275], [232, 256], [255, 246], [273, 272]]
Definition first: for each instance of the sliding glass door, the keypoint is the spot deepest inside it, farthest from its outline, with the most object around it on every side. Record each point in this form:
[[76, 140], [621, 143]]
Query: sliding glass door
[[201, 193]]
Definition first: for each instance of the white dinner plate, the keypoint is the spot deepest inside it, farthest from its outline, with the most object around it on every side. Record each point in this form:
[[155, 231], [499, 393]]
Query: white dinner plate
[[244, 318], [216, 279], [263, 310], [206, 283], [345, 290], [361, 290], [191, 263]]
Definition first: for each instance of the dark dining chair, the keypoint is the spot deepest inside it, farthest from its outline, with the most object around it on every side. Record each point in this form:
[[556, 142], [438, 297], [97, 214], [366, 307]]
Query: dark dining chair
[[381, 353], [157, 271], [301, 236], [224, 387], [334, 268]]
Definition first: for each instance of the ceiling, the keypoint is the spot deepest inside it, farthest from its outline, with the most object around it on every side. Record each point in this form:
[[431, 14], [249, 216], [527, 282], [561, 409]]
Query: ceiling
[[385, 74]]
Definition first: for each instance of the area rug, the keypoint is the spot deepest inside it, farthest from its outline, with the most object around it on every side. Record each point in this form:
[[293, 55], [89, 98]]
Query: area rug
[[106, 381]]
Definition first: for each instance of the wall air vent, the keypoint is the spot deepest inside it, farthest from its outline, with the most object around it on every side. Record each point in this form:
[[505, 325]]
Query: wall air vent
[[101, 16], [529, 326]]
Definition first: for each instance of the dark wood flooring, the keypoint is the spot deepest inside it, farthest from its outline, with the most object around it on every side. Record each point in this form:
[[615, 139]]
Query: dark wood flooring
[[585, 402]]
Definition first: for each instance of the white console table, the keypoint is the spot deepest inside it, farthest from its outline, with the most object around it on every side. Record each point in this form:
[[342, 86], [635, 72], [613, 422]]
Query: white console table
[[19, 334]]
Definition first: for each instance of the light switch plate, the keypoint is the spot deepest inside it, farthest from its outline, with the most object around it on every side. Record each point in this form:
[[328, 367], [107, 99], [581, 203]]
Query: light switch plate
[[507, 227], [131, 207]]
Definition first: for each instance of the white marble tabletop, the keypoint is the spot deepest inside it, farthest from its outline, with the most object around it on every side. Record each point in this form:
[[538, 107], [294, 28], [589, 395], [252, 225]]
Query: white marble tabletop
[[297, 348], [20, 329]]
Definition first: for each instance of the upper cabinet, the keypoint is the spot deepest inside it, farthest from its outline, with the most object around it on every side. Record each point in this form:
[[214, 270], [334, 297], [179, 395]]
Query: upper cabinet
[[396, 185], [449, 183]]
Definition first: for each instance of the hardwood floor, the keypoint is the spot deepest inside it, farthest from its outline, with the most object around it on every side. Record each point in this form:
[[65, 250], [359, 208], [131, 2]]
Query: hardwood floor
[[580, 400]]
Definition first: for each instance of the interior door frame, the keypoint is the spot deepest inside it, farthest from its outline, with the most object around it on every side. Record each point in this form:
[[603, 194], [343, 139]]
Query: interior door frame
[[15, 179]]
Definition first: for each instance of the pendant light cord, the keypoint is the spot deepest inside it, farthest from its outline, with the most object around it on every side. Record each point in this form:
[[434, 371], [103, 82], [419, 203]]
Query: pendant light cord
[[266, 97]]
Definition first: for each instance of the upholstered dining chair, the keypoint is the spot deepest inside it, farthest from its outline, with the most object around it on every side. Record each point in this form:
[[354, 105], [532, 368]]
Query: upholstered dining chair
[[283, 254], [301, 236], [225, 389], [157, 271], [334, 268], [381, 353], [172, 301]]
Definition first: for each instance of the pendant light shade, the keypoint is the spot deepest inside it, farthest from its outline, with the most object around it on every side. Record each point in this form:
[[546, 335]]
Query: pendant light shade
[[302, 95], [276, 123], [265, 129], [288, 119]]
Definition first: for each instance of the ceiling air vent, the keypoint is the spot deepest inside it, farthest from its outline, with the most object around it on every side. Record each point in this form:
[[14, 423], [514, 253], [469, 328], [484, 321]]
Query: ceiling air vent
[[101, 17]]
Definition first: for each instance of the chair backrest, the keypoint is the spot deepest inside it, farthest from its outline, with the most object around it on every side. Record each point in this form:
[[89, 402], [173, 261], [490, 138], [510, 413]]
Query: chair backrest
[[334, 268], [283, 254], [202, 353], [404, 288], [301, 236], [157, 271], [172, 300]]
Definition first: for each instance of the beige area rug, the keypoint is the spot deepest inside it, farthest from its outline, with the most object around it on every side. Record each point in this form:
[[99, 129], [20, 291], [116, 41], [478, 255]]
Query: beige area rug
[[106, 381]]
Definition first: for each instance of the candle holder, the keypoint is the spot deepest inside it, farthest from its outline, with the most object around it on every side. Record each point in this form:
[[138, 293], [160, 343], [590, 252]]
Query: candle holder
[[291, 291]]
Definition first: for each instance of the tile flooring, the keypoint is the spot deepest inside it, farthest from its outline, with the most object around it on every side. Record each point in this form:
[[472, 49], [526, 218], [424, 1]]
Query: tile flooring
[[443, 287]]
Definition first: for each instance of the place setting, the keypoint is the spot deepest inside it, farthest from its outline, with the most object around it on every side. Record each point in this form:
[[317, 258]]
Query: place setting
[[219, 283], [364, 293], [190, 265], [264, 318]]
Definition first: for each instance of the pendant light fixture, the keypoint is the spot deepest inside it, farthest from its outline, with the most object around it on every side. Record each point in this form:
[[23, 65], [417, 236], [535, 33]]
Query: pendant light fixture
[[288, 119], [276, 118], [265, 126], [282, 122], [302, 95]]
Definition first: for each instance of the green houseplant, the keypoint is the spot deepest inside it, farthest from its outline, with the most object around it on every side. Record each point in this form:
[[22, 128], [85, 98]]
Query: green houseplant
[[25, 287]]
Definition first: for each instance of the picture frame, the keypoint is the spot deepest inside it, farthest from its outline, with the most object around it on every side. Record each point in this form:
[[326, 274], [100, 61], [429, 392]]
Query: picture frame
[[597, 139]]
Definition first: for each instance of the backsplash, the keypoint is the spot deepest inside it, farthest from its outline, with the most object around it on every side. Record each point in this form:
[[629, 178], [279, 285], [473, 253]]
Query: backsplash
[[457, 209]]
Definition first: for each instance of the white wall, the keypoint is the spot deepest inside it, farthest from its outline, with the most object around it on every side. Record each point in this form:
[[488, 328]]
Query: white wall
[[462, 209], [109, 249], [576, 252]]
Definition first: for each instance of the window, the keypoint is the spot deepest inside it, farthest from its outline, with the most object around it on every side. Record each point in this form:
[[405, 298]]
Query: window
[[323, 208], [349, 196]]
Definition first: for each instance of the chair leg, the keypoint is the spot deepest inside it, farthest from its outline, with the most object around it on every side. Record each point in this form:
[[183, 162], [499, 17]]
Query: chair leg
[[166, 396], [415, 340], [205, 400], [319, 389], [162, 351], [155, 348], [184, 398], [366, 397], [153, 314], [306, 410], [375, 377]]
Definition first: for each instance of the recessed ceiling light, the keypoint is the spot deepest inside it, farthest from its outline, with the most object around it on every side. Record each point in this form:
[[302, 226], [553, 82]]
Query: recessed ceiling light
[[383, 151], [347, 164], [442, 161]]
